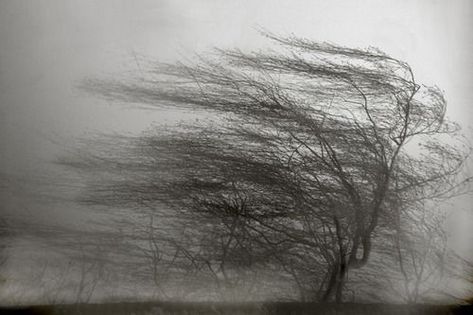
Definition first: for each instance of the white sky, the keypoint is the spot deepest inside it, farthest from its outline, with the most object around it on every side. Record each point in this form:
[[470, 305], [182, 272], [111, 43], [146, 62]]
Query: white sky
[[46, 47]]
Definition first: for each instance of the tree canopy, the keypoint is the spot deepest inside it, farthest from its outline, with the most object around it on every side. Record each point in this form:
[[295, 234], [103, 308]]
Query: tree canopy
[[304, 156]]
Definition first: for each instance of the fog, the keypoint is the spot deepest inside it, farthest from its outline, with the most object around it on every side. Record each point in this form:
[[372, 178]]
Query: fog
[[47, 48]]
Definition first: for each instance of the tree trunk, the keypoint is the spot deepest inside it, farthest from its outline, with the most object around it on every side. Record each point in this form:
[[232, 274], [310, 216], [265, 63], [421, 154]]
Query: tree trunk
[[340, 283], [336, 284], [330, 285]]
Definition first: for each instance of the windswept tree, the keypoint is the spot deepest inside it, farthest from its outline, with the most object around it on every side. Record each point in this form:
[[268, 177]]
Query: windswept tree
[[298, 162], [411, 260]]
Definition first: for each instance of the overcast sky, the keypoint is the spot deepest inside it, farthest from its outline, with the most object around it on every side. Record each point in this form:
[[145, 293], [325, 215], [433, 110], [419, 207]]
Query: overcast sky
[[47, 47]]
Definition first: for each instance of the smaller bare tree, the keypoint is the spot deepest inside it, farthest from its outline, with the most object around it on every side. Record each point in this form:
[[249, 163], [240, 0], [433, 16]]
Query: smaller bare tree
[[420, 250]]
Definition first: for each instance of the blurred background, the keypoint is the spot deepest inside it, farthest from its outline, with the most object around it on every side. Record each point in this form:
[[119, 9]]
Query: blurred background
[[48, 47]]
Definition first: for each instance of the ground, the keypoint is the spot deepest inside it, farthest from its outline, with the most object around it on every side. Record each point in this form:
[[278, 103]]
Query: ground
[[237, 309]]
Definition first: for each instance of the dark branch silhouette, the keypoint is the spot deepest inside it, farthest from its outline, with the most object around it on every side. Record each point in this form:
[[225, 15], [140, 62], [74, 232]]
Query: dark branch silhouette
[[303, 155]]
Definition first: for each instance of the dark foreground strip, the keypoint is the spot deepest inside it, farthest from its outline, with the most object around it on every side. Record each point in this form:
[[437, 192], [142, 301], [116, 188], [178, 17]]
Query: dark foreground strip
[[237, 309]]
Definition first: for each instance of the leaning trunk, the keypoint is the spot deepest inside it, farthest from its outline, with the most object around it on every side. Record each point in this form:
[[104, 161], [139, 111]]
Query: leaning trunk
[[336, 284], [340, 284], [330, 285]]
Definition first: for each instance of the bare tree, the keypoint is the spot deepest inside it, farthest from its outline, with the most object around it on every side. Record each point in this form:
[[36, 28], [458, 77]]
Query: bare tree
[[297, 163], [421, 253], [412, 262]]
